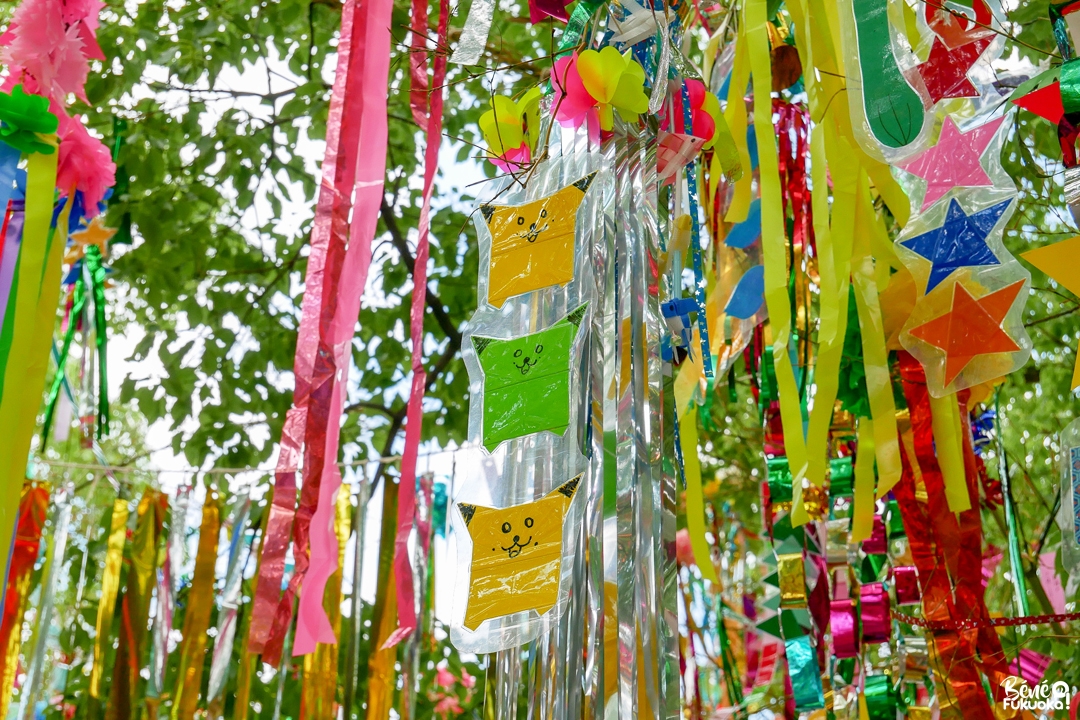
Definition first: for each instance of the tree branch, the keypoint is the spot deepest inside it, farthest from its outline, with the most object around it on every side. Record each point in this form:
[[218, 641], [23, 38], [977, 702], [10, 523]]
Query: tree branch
[[438, 310]]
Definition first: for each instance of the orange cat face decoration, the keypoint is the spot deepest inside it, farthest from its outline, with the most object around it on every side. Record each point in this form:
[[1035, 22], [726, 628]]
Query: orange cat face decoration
[[532, 245], [516, 556]]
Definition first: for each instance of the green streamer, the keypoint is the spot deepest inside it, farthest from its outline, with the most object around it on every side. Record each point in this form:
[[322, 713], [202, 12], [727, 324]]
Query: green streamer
[[575, 29], [1016, 568], [61, 359], [97, 274]]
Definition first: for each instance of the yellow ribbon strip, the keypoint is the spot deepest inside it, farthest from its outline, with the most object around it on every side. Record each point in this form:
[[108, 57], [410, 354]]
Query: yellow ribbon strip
[[110, 585], [34, 307], [735, 115], [320, 667], [247, 660], [950, 452], [197, 616], [774, 249], [862, 506], [381, 667], [695, 497], [875, 356]]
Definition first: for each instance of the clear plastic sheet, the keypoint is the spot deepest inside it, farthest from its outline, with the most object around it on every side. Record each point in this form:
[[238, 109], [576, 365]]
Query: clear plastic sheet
[[966, 327], [522, 469]]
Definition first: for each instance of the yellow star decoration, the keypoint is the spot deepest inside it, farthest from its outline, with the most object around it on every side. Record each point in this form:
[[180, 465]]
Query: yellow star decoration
[[94, 234], [1059, 262]]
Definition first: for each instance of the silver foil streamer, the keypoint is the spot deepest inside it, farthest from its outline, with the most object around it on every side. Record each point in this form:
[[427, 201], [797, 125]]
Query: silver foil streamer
[[167, 586], [230, 607], [31, 685], [474, 36]]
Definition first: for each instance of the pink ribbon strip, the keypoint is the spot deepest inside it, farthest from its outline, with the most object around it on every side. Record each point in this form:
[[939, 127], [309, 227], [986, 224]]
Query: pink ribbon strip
[[323, 269], [312, 624], [418, 52], [403, 570]]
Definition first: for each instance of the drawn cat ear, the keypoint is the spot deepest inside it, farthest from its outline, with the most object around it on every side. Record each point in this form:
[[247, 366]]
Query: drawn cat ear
[[577, 315], [488, 211], [584, 183], [467, 511], [568, 488], [480, 344]]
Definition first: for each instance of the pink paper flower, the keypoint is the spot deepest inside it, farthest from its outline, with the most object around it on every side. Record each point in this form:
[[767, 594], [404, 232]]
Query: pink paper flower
[[467, 680], [41, 45], [444, 678], [572, 102], [84, 163], [448, 705], [684, 552]]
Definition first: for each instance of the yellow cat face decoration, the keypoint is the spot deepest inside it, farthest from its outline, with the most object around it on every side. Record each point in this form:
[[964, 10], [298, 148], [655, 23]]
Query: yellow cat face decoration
[[532, 245], [517, 555]]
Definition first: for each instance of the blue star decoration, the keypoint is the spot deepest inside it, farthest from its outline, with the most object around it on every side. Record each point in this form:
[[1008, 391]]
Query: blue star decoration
[[959, 242]]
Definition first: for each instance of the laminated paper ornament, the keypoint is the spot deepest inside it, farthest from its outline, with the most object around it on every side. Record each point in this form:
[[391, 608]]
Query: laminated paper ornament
[[954, 161], [532, 245], [959, 242], [516, 556], [527, 381]]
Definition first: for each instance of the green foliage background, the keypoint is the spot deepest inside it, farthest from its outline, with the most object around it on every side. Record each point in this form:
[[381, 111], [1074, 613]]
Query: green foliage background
[[222, 102]]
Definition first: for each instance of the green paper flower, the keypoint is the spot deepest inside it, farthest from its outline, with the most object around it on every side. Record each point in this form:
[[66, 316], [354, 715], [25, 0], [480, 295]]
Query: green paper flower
[[23, 118]]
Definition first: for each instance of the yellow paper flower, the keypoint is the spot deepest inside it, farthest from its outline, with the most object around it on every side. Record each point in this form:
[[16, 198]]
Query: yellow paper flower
[[511, 129], [616, 82]]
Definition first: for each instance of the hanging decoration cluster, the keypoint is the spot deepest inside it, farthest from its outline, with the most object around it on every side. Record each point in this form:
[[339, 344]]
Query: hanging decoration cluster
[[804, 198]]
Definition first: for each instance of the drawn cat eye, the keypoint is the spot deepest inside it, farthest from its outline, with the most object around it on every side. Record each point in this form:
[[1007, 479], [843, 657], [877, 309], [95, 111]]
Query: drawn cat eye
[[543, 213], [539, 349], [521, 219], [506, 527], [517, 353], [528, 522]]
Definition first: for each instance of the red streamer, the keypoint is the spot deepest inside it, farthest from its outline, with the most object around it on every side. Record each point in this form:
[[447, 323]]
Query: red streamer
[[305, 422], [403, 570]]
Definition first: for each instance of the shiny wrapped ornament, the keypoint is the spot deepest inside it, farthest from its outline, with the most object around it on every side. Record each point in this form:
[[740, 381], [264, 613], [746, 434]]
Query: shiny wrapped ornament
[[845, 628], [792, 577], [805, 675], [876, 618], [876, 544], [906, 585]]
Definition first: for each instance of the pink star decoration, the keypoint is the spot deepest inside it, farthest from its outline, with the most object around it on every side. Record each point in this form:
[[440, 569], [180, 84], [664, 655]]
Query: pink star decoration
[[954, 161]]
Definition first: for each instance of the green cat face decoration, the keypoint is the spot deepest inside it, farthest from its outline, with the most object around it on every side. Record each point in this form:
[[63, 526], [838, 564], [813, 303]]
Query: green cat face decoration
[[527, 381]]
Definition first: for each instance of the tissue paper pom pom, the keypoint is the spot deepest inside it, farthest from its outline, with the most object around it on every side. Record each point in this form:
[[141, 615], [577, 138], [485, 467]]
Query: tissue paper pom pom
[[84, 163], [40, 45]]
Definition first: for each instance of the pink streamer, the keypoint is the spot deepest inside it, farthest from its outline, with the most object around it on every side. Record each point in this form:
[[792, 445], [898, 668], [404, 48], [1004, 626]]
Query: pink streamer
[[323, 269], [1051, 582], [312, 624], [403, 570]]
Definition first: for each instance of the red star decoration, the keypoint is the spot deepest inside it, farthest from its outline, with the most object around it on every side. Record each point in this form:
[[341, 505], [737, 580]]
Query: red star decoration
[[971, 328], [945, 72]]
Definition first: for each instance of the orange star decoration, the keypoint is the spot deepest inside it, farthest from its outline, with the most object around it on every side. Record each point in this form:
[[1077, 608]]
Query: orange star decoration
[[94, 234], [971, 328], [1059, 262]]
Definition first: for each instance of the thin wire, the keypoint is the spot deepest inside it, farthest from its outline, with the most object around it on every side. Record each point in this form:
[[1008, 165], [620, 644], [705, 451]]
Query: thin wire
[[231, 471]]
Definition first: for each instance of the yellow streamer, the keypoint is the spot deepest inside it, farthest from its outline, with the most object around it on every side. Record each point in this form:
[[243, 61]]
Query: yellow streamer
[[774, 249], [950, 452], [735, 114], [197, 616], [695, 497], [320, 667], [34, 309], [247, 660], [381, 667], [110, 585], [862, 507], [875, 356]]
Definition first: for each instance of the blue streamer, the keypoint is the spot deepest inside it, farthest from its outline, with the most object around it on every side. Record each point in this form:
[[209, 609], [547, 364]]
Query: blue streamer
[[699, 277]]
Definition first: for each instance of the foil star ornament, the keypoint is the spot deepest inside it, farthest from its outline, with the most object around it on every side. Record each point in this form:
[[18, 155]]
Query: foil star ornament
[[971, 327], [96, 234], [945, 72], [959, 242], [955, 161], [1058, 261]]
